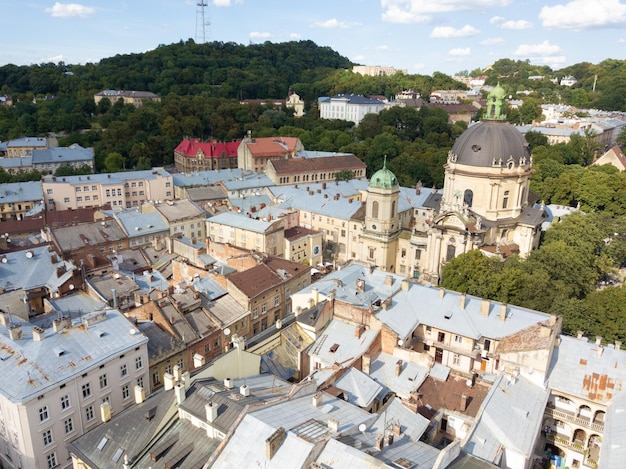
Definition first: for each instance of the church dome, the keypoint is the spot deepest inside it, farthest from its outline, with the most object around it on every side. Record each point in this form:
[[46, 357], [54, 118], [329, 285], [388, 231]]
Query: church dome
[[383, 178], [490, 143]]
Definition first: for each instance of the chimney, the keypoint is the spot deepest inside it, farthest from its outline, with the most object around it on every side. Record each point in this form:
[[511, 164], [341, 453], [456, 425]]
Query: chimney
[[38, 333], [114, 298], [545, 331], [405, 284], [372, 267], [273, 442], [464, 399], [228, 383], [179, 391], [360, 284], [317, 399], [379, 442], [600, 349], [358, 331], [598, 340], [442, 292], [398, 367], [61, 323], [168, 381], [485, 305], [178, 372], [503, 312], [198, 360], [140, 394], [366, 362], [462, 301], [244, 390], [389, 280], [186, 379], [4, 319], [105, 411], [618, 345], [397, 428], [323, 185], [333, 425], [15, 332], [553, 319], [316, 294], [579, 334], [389, 439], [210, 409]]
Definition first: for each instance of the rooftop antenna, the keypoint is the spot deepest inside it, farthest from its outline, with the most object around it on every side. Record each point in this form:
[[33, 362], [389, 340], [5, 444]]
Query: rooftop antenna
[[202, 21]]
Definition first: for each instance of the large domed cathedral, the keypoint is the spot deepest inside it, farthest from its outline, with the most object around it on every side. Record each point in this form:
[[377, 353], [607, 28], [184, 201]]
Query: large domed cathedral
[[485, 204]]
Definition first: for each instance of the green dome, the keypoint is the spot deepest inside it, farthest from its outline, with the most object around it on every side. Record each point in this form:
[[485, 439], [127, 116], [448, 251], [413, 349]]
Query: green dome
[[383, 178], [497, 92]]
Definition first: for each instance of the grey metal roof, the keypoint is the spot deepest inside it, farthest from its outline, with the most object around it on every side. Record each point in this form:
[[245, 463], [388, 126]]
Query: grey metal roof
[[137, 224], [33, 268], [240, 221], [28, 142], [208, 287], [21, 162], [115, 178], [153, 280], [583, 369], [226, 310], [427, 305], [323, 203], [339, 455], [511, 417], [20, 192], [177, 210], [361, 389], [160, 342], [205, 178], [350, 347], [87, 234], [247, 181], [79, 302], [60, 155], [343, 283], [31, 367], [411, 377]]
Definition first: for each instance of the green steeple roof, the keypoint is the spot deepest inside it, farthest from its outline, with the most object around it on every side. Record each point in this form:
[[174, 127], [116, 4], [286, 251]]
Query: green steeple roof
[[383, 178], [495, 103]]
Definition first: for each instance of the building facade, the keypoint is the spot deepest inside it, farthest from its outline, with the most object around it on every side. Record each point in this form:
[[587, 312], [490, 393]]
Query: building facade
[[192, 155]]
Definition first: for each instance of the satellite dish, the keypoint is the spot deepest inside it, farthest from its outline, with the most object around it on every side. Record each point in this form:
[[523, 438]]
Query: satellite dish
[[362, 427], [29, 254], [132, 331], [279, 324], [71, 286], [227, 332], [4, 260], [400, 343]]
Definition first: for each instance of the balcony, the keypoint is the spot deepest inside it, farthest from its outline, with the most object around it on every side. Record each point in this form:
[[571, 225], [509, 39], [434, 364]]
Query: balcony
[[571, 417]]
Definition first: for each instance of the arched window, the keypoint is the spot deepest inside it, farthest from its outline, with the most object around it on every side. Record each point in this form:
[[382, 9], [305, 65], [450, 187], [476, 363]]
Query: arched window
[[468, 197], [451, 252], [374, 209]]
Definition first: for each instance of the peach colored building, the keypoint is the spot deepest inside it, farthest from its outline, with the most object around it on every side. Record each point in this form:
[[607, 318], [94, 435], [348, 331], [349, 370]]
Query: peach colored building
[[119, 190], [254, 153]]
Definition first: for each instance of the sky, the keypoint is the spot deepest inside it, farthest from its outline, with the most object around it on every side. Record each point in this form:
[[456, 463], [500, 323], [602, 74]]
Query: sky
[[419, 36]]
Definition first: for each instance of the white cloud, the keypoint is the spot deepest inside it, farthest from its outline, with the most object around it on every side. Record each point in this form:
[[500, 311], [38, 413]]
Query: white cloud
[[419, 66], [70, 10], [584, 14], [259, 35], [621, 40], [333, 23], [295, 36], [545, 48], [448, 31], [382, 47], [503, 23], [421, 11], [516, 25], [459, 52], [359, 58], [492, 41], [55, 60]]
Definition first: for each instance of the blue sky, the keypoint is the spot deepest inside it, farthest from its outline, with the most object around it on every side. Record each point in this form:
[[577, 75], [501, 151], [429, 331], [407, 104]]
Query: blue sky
[[421, 36]]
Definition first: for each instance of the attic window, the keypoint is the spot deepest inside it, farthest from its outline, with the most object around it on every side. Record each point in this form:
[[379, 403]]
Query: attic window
[[102, 443], [334, 348], [475, 148], [448, 315], [118, 454], [150, 413], [58, 351]]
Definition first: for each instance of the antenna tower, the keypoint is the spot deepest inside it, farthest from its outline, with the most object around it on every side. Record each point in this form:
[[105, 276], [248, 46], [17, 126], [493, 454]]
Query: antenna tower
[[202, 21]]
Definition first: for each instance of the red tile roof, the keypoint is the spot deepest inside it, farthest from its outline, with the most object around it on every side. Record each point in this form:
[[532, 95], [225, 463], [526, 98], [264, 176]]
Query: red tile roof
[[272, 146], [190, 147]]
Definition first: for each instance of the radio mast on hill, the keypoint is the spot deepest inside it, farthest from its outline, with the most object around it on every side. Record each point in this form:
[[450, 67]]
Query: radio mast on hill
[[202, 21]]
